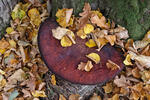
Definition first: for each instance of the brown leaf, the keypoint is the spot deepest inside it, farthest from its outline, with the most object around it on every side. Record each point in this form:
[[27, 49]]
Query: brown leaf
[[95, 97], [111, 39], [26, 93], [101, 22], [85, 66], [121, 82], [85, 15], [74, 97], [4, 44], [111, 65]]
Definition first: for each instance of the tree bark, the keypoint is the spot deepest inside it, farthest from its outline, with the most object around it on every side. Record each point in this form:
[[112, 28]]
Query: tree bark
[[6, 7]]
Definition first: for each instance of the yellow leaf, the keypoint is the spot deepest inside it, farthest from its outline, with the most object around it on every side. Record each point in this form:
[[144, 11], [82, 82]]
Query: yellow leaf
[[9, 30], [98, 13], [38, 94], [88, 28], [108, 88], [127, 61], [64, 20], [34, 16], [94, 57], [12, 43], [2, 51], [61, 97], [90, 43], [65, 41], [53, 79], [115, 97], [81, 34], [2, 81], [147, 36]]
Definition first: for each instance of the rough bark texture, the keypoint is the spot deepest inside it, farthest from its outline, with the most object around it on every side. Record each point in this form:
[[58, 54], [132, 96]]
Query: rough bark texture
[[132, 14], [66, 88], [6, 7]]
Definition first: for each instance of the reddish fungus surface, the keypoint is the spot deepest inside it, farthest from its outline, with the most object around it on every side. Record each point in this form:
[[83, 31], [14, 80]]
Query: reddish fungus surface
[[64, 61]]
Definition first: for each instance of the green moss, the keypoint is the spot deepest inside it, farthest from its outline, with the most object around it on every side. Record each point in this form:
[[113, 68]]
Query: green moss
[[132, 14]]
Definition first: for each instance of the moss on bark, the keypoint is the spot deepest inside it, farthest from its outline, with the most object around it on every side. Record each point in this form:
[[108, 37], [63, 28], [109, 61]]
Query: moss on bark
[[132, 14]]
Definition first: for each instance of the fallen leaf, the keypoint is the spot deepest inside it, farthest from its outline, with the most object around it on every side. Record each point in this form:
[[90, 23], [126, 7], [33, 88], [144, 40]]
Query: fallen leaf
[[115, 97], [111, 39], [88, 28], [121, 82], [81, 34], [2, 82], [64, 17], [65, 42], [101, 22], [111, 65], [94, 57], [108, 88], [4, 44], [140, 44], [12, 43], [143, 60], [136, 72], [68, 15], [98, 13], [53, 79], [147, 36], [95, 97], [61, 97], [85, 15], [122, 34], [9, 30], [127, 60], [85, 66], [90, 43], [19, 75], [59, 32], [34, 15], [74, 97], [39, 94], [26, 93], [18, 12]]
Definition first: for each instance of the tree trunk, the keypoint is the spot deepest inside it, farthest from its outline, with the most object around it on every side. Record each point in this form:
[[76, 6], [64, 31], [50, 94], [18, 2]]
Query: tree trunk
[[6, 7]]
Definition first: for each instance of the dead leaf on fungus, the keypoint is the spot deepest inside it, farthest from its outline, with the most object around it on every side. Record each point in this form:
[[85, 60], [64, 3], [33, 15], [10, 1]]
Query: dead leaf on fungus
[[111, 65], [85, 66], [90, 43], [94, 57]]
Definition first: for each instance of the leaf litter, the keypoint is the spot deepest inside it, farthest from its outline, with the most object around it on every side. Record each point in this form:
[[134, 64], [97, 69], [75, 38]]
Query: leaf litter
[[19, 54]]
